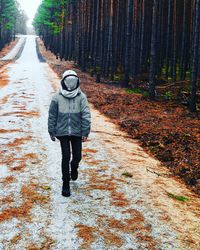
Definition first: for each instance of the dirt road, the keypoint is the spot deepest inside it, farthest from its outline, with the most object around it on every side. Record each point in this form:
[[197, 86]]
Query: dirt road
[[107, 210]]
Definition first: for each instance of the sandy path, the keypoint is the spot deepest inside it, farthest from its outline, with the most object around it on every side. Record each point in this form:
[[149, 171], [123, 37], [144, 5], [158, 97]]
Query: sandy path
[[106, 210]]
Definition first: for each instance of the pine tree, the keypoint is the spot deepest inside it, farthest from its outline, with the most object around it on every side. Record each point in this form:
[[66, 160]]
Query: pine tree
[[8, 16], [195, 45], [153, 51], [123, 40]]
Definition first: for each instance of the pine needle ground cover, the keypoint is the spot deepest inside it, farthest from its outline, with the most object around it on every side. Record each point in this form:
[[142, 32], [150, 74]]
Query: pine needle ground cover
[[3, 53], [164, 128], [7, 48]]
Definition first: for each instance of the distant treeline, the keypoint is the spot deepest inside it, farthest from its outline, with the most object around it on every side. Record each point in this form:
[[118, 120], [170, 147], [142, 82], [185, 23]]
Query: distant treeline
[[12, 21], [126, 39]]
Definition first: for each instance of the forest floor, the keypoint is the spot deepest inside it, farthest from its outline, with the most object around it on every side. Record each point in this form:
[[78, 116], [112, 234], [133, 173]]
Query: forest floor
[[118, 202], [167, 130], [6, 50], [8, 47]]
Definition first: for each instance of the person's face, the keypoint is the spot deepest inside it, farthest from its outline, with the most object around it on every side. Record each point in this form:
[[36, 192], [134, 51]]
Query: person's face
[[71, 82]]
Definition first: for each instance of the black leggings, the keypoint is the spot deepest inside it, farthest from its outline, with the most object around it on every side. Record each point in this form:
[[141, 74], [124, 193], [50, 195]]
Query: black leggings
[[75, 144]]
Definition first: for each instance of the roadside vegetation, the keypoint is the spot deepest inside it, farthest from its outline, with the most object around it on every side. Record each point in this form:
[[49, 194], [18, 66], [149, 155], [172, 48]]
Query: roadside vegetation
[[12, 21], [151, 45]]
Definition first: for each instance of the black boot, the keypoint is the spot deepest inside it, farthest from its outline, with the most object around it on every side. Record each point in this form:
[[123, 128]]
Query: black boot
[[74, 174], [66, 189]]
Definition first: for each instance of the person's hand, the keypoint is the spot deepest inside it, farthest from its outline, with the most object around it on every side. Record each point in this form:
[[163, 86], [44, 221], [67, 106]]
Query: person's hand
[[53, 138], [84, 138]]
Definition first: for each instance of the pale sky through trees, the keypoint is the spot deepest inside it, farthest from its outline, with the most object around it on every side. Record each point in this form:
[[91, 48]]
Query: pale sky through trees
[[30, 7]]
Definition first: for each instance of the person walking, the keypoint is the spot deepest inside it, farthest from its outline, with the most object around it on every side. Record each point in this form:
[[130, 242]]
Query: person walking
[[69, 121]]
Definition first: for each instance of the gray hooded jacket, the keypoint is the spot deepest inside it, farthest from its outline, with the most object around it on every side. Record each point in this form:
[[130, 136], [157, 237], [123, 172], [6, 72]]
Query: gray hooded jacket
[[69, 115]]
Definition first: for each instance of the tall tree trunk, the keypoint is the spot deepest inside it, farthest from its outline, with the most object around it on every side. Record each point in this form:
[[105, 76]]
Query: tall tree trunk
[[194, 66], [183, 44], [169, 35], [128, 42], [153, 51], [174, 61], [142, 36]]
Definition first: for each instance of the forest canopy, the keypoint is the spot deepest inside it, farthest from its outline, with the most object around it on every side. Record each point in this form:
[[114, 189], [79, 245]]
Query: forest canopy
[[12, 21], [126, 40]]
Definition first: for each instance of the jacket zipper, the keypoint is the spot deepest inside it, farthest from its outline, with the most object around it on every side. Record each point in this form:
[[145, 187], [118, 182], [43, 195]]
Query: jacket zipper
[[69, 120], [74, 104], [70, 124]]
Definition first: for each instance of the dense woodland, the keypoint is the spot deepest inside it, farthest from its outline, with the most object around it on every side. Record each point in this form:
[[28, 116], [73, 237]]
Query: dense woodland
[[12, 21], [126, 40]]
